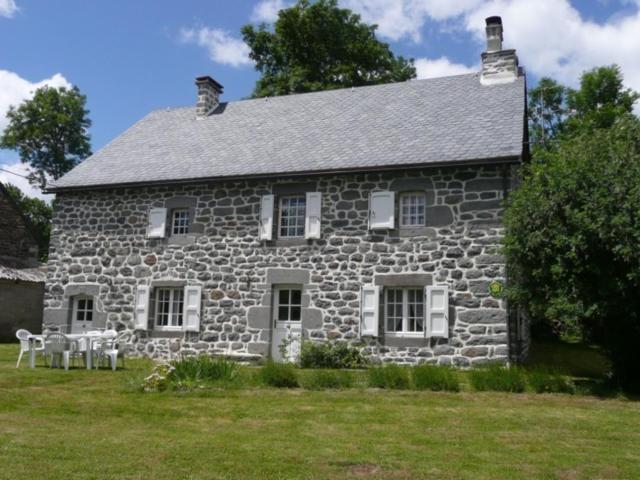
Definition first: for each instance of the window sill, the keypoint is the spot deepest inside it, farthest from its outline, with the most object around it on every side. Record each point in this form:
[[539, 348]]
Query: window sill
[[415, 232], [404, 334], [289, 242]]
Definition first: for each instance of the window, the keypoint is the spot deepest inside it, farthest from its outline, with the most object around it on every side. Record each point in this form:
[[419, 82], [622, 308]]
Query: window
[[83, 309], [404, 311], [169, 303], [180, 221], [412, 206], [292, 211], [288, 305]]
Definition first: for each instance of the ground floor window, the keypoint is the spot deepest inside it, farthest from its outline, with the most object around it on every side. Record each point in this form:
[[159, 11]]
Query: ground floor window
[[169, 304], [288, 304], [404, 311], [83, 309]]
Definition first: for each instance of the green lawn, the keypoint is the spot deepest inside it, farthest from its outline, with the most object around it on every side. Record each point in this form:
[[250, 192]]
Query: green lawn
[[79, 424]]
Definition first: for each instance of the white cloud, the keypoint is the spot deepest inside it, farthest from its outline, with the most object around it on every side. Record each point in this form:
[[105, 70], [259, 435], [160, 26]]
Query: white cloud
[[267, 10], [14, 89], [20, 182], [8, 8], [441, 67], [222, 47]]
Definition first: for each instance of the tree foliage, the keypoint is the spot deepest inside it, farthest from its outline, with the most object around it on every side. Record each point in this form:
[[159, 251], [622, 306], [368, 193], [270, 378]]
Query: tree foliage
[[319, 46], [38, 213], [49, 132], [573, 237], [555, 110]]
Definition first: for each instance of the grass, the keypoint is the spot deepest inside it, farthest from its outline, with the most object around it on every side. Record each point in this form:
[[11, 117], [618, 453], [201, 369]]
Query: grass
[[97, 424]]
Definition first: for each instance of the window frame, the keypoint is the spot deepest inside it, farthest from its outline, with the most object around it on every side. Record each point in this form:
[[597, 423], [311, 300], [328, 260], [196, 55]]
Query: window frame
[[276, 304], [406, 195], [406, 319], [186, 226], [281, 199], [76, 308], [170, 313]]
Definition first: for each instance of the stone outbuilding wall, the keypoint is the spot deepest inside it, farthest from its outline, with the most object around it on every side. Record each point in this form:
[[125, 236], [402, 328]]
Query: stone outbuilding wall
[[99, 245]]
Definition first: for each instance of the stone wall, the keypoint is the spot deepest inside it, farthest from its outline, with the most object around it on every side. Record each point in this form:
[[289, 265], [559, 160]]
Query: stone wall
[[99, 240]]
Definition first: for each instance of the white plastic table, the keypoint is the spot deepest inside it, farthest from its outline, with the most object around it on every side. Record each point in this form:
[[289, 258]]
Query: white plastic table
[[88, 338]]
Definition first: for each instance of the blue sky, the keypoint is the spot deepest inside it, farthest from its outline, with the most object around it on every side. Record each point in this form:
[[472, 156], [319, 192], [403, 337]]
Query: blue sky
[[132, 56]]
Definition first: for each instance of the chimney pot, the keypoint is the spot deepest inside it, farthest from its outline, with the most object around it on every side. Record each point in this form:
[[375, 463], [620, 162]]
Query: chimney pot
[[494, 34], [209, 92]]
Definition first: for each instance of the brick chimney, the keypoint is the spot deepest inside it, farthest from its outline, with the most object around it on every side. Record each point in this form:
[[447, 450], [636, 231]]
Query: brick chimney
[[498, 65], [209, 92]]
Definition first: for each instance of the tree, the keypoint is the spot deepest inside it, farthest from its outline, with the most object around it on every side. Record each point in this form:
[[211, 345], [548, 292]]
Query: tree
[[318, 46], [38, 213], [573, 240], [555, 110], [49, 132]]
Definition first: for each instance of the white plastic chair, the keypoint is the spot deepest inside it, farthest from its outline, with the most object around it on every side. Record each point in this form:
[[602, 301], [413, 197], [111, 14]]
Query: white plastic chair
[[59, 345], [111, 349], [23, 336]]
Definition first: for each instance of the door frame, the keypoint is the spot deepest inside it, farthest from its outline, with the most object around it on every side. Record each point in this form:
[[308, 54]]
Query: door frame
[[293, 328]]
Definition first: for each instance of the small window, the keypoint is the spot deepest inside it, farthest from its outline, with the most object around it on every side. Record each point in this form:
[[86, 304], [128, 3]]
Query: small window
[[169, 303], [292, 211], [404, 311], [83, 309], [288, 304], [180, 221], [412, 207]]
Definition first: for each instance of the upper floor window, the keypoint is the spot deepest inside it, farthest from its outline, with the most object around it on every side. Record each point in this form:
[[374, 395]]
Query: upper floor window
[[169, 303], [292, 213], [180, 221], [412, 209], [404, 310]]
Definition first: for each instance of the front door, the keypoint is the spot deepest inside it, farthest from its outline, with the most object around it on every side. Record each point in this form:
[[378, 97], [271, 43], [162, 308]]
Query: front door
[[82, 315], [287, 327]]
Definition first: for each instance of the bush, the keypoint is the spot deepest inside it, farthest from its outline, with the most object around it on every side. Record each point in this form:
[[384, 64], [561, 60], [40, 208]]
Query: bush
[[544, 380], [389, 376], [327, 355], [498, 378], [280, 375], [203, 369], [321, 379], [431, 377]]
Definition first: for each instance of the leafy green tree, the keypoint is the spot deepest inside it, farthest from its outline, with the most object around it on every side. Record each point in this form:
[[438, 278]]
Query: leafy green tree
[[49, 132], [547, 112], [38, 213], [319, 46], [573, 239], [600, 100]]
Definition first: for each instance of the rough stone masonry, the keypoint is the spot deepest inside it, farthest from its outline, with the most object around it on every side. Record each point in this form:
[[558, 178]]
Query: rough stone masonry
[[99, 246]]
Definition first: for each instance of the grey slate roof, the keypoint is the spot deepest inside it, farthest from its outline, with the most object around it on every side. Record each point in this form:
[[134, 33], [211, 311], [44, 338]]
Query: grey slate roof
[[440, 120]]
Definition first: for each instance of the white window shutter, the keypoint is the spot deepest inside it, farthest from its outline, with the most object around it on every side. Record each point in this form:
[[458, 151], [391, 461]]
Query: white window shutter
[[157, 223], [191, 314], [437, 311], [266, 217], [382, 211], [369, 307], [141, 313], [313, 215]]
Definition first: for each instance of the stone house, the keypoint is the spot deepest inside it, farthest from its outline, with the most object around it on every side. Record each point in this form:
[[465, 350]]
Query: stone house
[[21, 281], [369, 215]]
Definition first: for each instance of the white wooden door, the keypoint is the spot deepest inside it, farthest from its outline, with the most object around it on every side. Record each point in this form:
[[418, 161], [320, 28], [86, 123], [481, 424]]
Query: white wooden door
[[286, 336]]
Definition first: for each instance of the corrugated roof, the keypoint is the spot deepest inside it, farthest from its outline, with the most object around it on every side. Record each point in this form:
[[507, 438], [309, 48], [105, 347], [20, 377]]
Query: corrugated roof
[[441, 120]]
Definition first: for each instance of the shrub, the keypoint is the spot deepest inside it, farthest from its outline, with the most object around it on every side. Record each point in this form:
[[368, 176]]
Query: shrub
[[498, 378], [327, 355], [321, 379], [431, 377], [280, 375], [203, 369], [544, 380], [389, 376]]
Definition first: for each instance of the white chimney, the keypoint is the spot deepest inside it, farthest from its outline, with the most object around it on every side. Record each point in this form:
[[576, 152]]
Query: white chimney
[[209, 92], [498, 65]]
